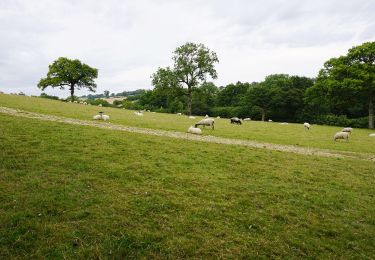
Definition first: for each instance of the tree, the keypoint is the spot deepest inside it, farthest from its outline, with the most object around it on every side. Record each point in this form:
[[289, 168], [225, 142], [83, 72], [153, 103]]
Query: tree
[[106, 93], [69, 73], [349, 80], [192, 64]]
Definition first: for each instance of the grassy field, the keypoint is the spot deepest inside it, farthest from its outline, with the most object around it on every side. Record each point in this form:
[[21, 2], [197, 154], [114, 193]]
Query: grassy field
[[81, 192], [292, 134]]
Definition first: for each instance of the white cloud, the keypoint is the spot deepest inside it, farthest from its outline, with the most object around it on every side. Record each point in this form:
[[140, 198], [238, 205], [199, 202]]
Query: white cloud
[[128, 40]]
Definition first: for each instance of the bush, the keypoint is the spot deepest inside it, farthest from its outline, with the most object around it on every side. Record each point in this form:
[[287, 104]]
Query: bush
[[44, 95], [341, 120], [98, 101]]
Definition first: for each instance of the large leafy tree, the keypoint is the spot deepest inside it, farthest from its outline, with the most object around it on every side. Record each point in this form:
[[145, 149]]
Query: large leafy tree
[[72, 74], [349, 80], [193, 63]]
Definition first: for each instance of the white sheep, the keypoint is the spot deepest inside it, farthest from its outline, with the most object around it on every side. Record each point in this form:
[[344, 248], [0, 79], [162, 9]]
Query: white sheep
[[270, 120], [179, 114], [206, 122], [372, 135], [283, 123], [206, 116], [347, 129], [341, 135], [194, 130], [247, 119], [100, 105], [218, 117], [306, 125], [138, 113], [101, 117], [192, 117]]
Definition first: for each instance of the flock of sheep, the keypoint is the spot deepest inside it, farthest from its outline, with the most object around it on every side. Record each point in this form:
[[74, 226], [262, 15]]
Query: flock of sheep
[[210, 122]]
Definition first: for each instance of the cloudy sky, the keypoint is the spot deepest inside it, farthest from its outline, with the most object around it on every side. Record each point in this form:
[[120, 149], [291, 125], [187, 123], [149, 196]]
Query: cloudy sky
[[128, 40]]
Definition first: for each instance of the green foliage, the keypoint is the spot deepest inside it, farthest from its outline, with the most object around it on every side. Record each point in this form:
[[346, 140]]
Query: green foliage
[[44, 95], [348, 82], [98, 101], [193, 63], [69, 73], [232, 94], [341, 120]]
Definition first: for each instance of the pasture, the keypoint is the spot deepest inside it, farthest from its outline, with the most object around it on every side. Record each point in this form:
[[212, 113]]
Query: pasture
[[291, 134], [71, 191]]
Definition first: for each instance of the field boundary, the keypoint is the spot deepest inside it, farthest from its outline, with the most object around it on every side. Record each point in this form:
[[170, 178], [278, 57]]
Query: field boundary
[[186, 136]]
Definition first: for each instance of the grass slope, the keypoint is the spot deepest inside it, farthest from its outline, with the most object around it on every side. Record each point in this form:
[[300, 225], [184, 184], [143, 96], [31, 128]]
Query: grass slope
[[292, 134], [80, 192]]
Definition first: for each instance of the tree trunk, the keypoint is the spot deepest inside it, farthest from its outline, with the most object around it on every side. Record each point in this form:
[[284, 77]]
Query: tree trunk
[[263, 114], [371, 112], [190, 97], [72, 92]]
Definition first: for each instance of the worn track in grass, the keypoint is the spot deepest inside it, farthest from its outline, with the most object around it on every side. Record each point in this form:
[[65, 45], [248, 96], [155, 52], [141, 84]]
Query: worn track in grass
[[186, 136]]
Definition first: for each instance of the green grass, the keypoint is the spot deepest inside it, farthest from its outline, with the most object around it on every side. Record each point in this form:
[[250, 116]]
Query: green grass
[[291, 134], [81, 192]]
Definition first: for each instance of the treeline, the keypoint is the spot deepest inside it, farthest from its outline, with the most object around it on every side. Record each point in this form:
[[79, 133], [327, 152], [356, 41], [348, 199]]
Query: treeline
[[279, 97]]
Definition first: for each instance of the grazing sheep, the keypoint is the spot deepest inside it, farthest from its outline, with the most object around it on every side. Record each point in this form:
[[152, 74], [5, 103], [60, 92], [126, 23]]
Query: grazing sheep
[[138, 113], [206, 121], [283, 123], [235, 120], [179, 114], [270, 120], [306, 125], [371, 135], [148, 110], [101, 117], [347, 129], [192, 117], [247, 119], [100, 105], [341, 135], [218, 117], [85, 103], [194, 130], [206, 116]]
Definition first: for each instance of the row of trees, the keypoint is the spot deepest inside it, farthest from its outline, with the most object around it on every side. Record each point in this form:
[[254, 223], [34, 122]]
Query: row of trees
[[344, 88]]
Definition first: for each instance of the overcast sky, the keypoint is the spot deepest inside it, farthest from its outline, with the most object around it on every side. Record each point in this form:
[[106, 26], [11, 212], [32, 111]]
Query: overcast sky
[[128, 40]]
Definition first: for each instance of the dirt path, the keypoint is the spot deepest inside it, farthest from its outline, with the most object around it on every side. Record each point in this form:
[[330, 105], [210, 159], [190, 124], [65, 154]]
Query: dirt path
[[180, 135]]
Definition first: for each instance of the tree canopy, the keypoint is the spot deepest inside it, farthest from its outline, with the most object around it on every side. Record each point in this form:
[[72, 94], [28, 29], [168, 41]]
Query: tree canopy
[[69, 73], [347, 83], [193, 63]]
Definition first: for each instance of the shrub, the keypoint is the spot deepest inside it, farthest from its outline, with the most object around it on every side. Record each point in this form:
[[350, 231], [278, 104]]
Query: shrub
[[341, 120]]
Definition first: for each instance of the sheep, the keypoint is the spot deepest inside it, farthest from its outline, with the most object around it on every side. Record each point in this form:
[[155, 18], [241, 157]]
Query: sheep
[[270, 120], [218, 117], [372, 135], [206, 121], [192, 117], [306, 125], [235, 120], [179, 114], [341, 135], [100, 105], [138, 113], [75, 101], [194, 130], [247, 119], [101, 117], [283, 123], [347, 129], [206, 116]]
